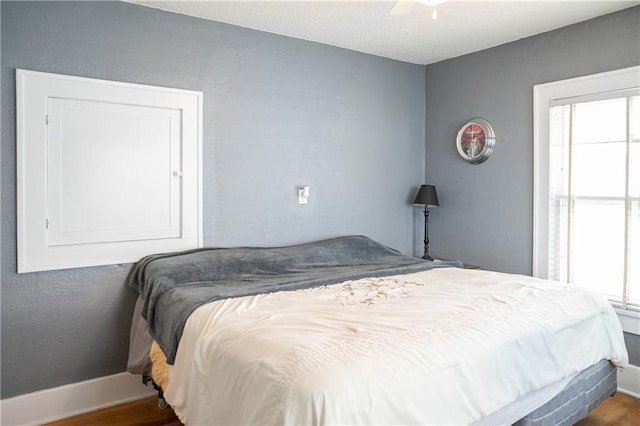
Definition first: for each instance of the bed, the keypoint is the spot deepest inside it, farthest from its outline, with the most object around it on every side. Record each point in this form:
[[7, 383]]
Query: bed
[[348, 331]]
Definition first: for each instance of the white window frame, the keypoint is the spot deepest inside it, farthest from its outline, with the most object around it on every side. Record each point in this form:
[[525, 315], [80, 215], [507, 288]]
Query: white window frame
[[543, 95], [42, 243]]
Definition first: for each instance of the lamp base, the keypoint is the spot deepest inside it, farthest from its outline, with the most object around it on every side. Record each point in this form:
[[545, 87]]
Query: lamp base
[[427, 257]]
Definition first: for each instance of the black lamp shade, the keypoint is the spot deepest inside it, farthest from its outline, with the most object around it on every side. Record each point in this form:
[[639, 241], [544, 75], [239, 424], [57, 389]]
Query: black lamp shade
[[427, 196]]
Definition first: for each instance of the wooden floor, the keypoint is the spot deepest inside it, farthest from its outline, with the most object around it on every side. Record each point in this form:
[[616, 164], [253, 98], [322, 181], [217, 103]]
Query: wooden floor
[[142, 412], [620, 410]]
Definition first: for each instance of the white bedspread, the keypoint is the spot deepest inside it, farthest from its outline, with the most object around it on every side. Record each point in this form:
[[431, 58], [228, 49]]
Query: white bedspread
[[446, 346]]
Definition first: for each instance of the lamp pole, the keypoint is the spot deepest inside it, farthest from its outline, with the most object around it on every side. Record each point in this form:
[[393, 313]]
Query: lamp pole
[[426, 234]]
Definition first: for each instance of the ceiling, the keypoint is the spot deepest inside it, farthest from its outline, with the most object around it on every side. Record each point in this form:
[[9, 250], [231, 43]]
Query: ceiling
[[366, 25]]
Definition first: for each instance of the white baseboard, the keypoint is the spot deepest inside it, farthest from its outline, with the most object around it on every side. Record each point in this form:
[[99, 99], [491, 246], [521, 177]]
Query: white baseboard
[[629, 381], [73, 399]]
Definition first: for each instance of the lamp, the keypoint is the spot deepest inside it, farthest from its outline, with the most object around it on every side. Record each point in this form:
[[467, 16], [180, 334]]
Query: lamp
[[427, 197]]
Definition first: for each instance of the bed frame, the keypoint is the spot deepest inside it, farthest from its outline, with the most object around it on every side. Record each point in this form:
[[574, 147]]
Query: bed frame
[[162, 403]]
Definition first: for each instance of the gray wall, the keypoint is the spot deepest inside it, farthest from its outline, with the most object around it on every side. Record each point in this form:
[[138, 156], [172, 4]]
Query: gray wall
[[486, 211], [278, 112]]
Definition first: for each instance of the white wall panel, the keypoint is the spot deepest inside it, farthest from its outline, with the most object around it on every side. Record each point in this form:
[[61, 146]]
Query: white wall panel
[[108, 172]]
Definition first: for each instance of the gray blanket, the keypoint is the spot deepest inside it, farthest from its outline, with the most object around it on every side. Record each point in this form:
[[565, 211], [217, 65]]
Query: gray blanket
[[173, 285]]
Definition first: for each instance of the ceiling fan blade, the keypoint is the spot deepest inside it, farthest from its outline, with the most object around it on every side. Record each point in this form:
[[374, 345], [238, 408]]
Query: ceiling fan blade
[[402, 7]]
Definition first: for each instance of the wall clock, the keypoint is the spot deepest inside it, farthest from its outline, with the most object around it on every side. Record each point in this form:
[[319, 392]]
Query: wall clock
[[475, 141]]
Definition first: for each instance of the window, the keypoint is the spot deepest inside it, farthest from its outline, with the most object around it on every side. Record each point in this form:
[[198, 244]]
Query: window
[[108, 172], [587, 195]]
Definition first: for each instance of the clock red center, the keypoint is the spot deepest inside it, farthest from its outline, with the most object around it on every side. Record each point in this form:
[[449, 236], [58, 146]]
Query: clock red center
[[473, 140]]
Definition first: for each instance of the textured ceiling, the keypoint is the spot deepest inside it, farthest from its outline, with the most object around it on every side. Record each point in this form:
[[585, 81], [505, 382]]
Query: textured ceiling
[[366, 26]]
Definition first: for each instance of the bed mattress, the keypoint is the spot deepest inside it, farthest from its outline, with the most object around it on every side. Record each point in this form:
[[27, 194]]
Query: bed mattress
[[442, 346]]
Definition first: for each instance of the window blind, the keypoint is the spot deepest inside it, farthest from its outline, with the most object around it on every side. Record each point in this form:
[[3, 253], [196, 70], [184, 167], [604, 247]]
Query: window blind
[[594, 193]]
